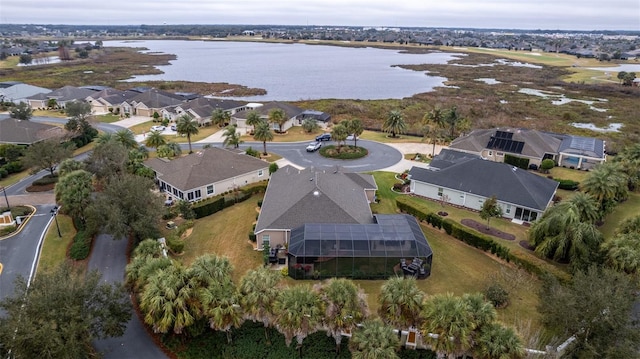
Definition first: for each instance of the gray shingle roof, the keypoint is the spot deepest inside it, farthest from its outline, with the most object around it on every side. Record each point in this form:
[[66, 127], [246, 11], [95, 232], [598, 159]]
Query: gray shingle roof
[[66, 93], [536, 143], [289, 110], [488, 178], [157, 99], [295, 197], [205, 106], [205, 167], [21, 91], [26, 132], [113, 96]]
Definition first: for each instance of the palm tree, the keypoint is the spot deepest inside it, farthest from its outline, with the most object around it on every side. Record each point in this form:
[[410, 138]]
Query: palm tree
[[449, 321], [258, 292], [211, 270], [498, 342], [104, 137], [253, 119], [220, 117], [585, 206], [434, 124], [155, 139], [339, 134], [298, 313], [346, 306], [220, 305], [630, 160], [608, 184], [231, 137], [186, 126], [394, 123], [401, 302], [482, 312], [170, 300], [142, 267], [622, 252], [374, 340], [355, 128], [455, 122], [126, 138], [263, 133], [278, 116]]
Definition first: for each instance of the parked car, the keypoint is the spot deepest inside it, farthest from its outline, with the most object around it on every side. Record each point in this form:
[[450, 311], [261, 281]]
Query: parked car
[[158, 128], [324, 137], [314, 146], [174, 127], [351, 137]]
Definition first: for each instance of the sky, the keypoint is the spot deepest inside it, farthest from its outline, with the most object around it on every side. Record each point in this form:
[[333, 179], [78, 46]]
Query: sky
[[500, 14]]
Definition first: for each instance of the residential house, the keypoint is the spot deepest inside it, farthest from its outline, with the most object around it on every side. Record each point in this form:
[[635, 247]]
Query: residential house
[[296, 197], [206, 173], [467, 180], [16, 92], [293, 115], [202, 108], [19, 132], [151, 101], [61, 96], [533, 145], [111, 100]]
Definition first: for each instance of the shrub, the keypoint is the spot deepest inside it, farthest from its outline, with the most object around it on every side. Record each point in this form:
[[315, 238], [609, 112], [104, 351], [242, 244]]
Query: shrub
[[13, 167], [497, 295], [208, 208], [546, 165], [273, 167], [568, 185], [516, 161], [259, 203], [45, 180], [81, 246], [3, 172], [175, 245], [252, 237], [6, 230], [251, 152]]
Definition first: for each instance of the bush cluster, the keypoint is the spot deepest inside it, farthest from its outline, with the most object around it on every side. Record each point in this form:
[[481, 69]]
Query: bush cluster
[[45, 180], [227, 199], [516, 161], [568, 185], [81, 246]]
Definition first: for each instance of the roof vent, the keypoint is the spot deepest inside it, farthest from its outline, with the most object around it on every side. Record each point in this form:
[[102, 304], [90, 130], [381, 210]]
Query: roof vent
[[316, 193]]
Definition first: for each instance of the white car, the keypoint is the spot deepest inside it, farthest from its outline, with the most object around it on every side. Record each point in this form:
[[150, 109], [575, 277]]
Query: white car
[[174, 127], [158, 128], [314, 146], [351, 137]]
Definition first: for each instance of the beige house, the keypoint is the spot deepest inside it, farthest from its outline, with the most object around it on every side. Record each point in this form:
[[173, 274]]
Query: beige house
[[295, 197], [206, 173], [292, 113]]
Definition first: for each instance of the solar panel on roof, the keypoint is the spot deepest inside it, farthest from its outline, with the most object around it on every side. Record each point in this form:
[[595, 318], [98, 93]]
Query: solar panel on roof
[[583, 143], [504, 144], [504, 134]]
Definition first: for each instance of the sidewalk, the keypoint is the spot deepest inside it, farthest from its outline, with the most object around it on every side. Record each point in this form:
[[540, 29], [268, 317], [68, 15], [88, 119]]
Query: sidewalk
[[132, 121], [216, 137], [405, 148]]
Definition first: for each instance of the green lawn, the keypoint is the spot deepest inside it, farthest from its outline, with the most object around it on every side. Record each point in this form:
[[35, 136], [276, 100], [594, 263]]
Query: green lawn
[[14, 178], [107, 118], [54, 248], [627, 209], [294, 134], [386, 138], [568, 174]]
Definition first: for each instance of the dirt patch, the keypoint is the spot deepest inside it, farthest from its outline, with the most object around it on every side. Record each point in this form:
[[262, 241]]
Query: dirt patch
[[526, 245], [42, 188], [186, 233], [482, 228]]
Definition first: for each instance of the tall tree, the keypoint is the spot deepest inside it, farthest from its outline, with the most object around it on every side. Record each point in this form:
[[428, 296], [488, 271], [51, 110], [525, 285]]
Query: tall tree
[[186, 126], [354, 127], [220, 117], [597, 309], [395, 123], [73, 192], [259, 289], [623, 252], [310, 125], [170, 300], [126, 138], [78, 110], [171, 149], [401, 302], [127, 206], [298, 313], [339, 134], [496, 341], [69, 165], [231, 137], [374, 340], [346, 306], [108, 159], [278, 117], [263, 133], [253, 119], [608, 184], [490, 209], [449, 318], [78, 123], [434, 126], [455, 122], [60, 313], [21, 111], [155, 139], [47, 154]]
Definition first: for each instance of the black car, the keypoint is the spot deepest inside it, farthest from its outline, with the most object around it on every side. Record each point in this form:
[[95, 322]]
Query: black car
[[324, 137]]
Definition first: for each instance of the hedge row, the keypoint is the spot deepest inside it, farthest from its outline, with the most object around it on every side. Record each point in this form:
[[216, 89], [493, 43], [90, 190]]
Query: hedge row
[[209, 207], [569, 185], [81, 246], [516, 161], [471, 237]]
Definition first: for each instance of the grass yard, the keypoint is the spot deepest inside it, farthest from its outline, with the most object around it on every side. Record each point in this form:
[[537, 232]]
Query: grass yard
[[50, 113], [14, 178], [294, 134], [226, 233], [568, 174], [54, 248], [386, 138], [107, 118], [627, 209]]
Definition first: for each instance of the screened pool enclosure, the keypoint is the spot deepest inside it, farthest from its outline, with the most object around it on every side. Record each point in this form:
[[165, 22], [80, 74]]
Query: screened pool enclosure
[[392, 245]]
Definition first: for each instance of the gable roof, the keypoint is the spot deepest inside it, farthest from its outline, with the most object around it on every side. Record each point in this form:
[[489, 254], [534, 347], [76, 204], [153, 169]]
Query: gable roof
[[205, 167], [157, 99], [534, 143], [26, 132], [18, 91], [487, 178], [447, 158], [204, 106], [66, 93], [113, 96], [295, 197]]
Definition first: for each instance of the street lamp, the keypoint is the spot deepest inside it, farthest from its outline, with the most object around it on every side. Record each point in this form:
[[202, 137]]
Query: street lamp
[[54, 214], [4, 189]]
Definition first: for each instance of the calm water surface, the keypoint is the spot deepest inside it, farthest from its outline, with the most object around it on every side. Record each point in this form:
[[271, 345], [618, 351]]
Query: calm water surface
[[291, 72]]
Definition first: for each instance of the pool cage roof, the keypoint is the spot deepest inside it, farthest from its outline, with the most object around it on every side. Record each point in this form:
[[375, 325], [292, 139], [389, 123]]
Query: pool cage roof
[[397, 235]]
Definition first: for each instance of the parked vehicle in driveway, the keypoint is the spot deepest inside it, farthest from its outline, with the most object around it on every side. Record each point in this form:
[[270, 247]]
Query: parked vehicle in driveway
[[314, 146], [174, 127], [158, 128], [324, 137]]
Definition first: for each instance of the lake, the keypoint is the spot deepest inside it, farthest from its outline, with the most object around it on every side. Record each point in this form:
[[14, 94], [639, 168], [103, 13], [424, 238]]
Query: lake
[[290, 72]]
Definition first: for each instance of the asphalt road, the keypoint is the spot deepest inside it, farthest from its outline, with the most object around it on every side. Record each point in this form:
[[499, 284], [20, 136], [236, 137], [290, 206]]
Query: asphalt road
[[18, 253]]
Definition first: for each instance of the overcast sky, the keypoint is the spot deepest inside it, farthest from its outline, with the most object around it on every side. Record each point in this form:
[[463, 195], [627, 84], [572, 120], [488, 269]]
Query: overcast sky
[[503, 14]]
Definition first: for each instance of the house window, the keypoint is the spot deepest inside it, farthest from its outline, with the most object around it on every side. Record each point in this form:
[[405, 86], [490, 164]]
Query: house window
[[169, 188], [500, 154], [181, 194], [260, 173], [175, 192], [190, 196], [265, 239], [210, 189], [440, 192], [508, 209], [197, 194]]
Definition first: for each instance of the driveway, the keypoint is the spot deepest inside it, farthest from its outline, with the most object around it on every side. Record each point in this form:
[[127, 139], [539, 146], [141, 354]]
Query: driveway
[[109, 256]]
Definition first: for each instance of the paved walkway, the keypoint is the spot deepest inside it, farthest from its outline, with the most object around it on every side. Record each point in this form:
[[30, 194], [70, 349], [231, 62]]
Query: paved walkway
[[216, 137], [132, 121], [405, 148]]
